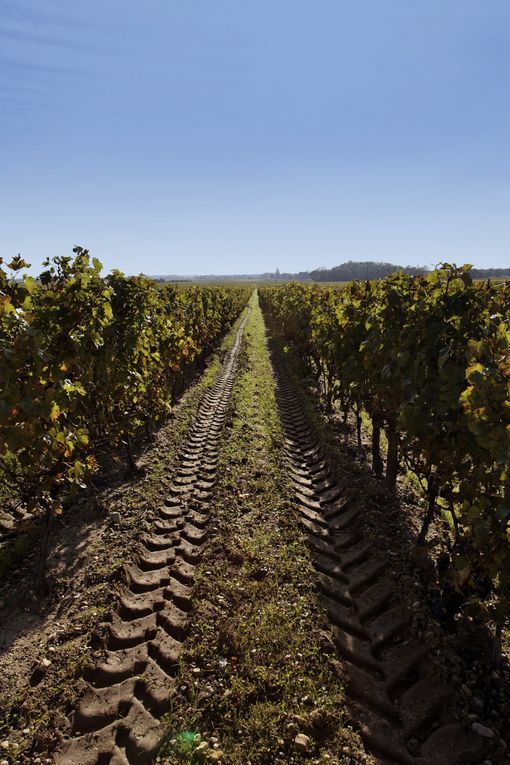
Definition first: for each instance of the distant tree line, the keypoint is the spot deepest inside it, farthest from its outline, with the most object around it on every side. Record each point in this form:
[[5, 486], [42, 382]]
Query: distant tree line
[[490, 273], [361, 271]]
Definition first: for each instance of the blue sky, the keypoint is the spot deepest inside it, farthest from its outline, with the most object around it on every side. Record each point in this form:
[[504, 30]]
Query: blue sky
[[194, 136]]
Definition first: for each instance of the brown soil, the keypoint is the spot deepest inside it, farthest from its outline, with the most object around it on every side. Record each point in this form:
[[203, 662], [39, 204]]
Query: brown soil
[[131, 684]]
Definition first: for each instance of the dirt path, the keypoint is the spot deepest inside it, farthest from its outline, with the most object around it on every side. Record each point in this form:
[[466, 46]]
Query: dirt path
[[260, 681], [117, 719]]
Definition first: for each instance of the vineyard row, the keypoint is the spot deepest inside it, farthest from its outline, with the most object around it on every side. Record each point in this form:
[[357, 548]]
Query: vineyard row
[[86, 361], [428, 359]]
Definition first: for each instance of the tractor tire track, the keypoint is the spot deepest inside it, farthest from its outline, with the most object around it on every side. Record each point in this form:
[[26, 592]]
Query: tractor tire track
[[116, 721], [396, 698]]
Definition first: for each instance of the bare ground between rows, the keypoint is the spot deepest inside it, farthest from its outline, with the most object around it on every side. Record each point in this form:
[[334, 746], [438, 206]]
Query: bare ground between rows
[[390, 526], [260, 683], [45, 643], [132, 681]]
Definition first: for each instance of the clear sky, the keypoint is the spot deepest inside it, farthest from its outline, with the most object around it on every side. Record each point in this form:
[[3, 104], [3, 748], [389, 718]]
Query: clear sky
[[220, 136]]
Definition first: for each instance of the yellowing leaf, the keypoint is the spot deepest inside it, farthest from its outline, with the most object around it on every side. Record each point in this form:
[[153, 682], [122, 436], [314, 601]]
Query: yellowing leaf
[[5, 305], [56, 507], [55, 412], [29, 283]]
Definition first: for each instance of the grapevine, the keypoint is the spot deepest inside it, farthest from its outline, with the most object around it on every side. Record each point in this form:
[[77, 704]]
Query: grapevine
[[428, 359], [85, 361]]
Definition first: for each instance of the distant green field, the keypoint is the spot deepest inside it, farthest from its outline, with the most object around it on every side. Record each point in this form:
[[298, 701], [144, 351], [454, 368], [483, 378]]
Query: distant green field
[[199, 283], [184, 284]]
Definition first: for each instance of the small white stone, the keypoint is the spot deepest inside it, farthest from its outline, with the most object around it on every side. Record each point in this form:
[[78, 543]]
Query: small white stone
[[302, 742], [482, 730]]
